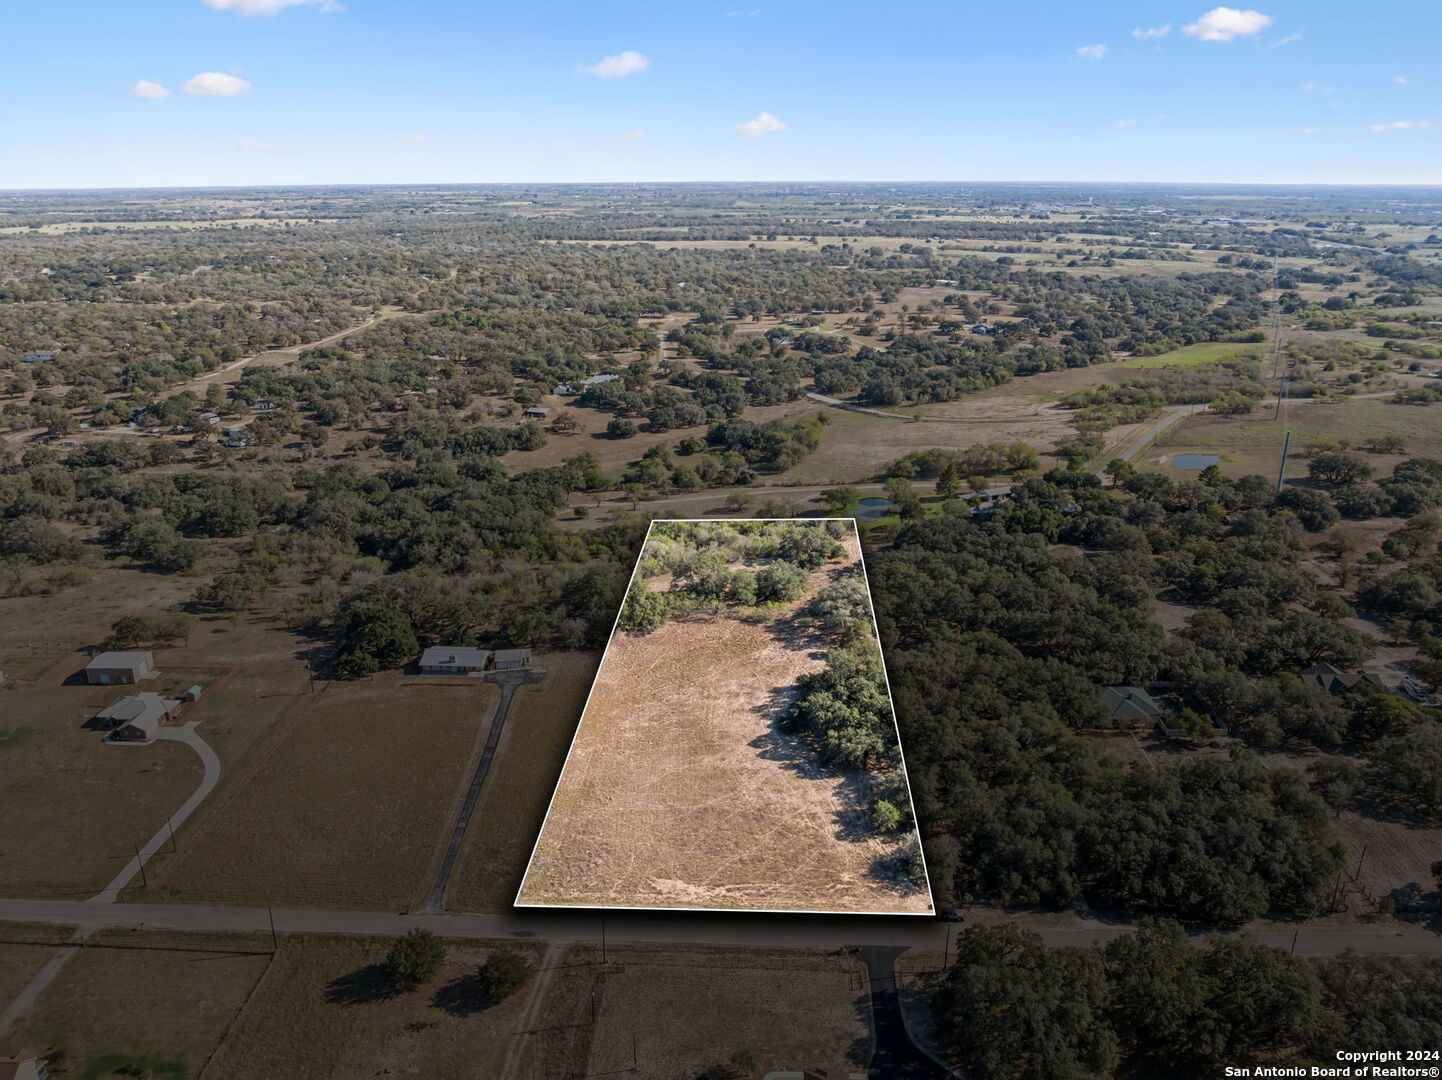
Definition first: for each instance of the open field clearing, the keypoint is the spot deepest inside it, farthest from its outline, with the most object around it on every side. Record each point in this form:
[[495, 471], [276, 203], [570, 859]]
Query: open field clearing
[[1194, 355], [528, 762], [1253, 444], [164, 1011], [694, 1008], [857, 446], [323, 1011], [682, 789], [346, 805]]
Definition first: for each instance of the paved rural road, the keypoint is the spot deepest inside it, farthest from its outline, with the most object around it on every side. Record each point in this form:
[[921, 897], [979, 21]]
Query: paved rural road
[[507, 681], [797, 931], [186, 733], [895, 1055]]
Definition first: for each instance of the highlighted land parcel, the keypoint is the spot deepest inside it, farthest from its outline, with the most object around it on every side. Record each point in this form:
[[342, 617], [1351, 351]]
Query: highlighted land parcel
[[738, 750]]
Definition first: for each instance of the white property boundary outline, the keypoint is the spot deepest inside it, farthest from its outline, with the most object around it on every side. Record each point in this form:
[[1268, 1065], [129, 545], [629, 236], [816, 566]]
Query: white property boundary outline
[[895, 726]]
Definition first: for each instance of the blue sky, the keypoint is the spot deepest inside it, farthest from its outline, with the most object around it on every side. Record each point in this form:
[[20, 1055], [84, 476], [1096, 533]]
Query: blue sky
[[102, 93]]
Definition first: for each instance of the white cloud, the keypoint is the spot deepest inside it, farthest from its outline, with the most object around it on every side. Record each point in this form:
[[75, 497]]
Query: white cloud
[[1317, 88], [1310, 131], [1401, 125], [633, 136], [618, 66], [416, 138], [1152, 32], [216, 84], [761, 125], [261, 148], [1225, 23], [1160, 118], [1399, 79], [1092, 52], [148, 91], [267, 7], [1128, 122]]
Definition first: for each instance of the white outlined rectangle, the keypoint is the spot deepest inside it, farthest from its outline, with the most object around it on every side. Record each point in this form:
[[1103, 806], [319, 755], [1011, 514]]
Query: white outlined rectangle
[[910, 901]]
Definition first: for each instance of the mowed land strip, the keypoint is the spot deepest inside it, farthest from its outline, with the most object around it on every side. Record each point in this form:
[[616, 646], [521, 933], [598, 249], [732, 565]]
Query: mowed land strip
[[682, 789]]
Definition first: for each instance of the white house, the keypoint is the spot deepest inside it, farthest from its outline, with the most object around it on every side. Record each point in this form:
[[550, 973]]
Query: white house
[[453, 660]]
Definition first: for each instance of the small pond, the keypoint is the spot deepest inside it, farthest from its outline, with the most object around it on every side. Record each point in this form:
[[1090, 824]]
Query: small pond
[[1194, 461], [871, 509]]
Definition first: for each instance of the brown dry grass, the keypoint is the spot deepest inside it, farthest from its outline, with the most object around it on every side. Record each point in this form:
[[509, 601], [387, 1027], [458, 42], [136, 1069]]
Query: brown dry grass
[[157, 1006], [689, 1009], [321, 1013], [682, 791], [347, 805], [528, 761]]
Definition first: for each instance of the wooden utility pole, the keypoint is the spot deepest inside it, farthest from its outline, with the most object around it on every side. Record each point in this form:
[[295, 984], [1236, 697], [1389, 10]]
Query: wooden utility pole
[[1282, 469]]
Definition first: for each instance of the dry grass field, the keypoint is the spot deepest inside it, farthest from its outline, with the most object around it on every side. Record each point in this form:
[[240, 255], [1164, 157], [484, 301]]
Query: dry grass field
[[528, 761], [681, 789], [322, 1012], [689, 1009], [164, 1011], [347, 804]]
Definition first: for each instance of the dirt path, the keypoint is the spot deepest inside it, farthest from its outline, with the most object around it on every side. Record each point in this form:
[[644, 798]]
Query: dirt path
[[25, 1000]]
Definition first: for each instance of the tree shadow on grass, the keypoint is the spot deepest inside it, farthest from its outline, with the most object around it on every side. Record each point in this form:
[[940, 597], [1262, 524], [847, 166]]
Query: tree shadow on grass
[[465, 995], [367, 986]]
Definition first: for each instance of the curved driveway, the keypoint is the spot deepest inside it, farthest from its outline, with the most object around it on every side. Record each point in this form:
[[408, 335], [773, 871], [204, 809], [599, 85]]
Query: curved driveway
[[208, 758]]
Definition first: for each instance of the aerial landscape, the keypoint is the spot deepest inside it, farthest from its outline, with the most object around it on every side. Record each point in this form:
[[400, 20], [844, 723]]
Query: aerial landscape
[[738, 749], [496, 581]]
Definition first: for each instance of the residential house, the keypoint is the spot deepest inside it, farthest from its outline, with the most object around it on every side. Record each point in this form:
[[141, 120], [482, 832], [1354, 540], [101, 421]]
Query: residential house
[[1131, 706], [137, 717], [453, 660], [118, 668], [263, 406], [1336, 682], [512, 658]]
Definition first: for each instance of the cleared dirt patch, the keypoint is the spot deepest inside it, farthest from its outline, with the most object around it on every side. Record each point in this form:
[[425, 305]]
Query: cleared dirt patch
[[682, 790]]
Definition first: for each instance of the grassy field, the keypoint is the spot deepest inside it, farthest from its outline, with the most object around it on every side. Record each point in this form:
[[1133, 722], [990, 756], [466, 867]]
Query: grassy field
[[528, 762], [1193, 355], [322, 1012], [346, 806], [681, 790], [113, 1008], [1253, 444], [858, 446], [690, 1009]]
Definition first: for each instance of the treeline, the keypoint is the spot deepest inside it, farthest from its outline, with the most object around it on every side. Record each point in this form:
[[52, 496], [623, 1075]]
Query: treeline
[[1153, 1004]]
